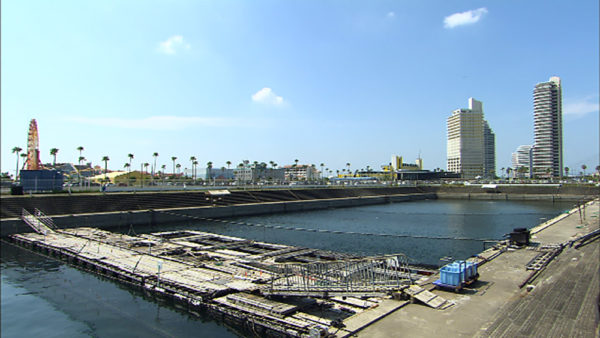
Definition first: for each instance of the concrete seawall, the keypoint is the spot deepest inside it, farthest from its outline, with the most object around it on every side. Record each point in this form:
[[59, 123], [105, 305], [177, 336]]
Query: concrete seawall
[[123, 219], [511, 197], [117, 210]]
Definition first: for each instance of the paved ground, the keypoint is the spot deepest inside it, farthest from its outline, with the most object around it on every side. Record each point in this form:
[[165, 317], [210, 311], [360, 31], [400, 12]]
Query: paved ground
[[563, 302]]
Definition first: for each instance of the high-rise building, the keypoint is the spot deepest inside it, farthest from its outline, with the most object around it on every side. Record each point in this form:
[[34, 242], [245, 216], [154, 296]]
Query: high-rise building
[[489, 143], [467, 149], [547, 116], [522, 162]]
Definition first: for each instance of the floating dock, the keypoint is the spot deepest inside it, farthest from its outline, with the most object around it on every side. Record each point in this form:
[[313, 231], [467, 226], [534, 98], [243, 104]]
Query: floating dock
[[270, 289]]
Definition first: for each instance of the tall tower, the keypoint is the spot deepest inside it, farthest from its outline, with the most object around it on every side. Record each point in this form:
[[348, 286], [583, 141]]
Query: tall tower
[[547, 128], [489, 144], [466, 146]]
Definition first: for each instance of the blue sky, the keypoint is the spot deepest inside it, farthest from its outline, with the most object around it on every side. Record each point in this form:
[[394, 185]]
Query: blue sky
[[317, 81]]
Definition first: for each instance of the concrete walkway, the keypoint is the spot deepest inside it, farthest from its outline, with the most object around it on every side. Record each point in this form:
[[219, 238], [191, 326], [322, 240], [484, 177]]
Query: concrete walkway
[[563, 300]]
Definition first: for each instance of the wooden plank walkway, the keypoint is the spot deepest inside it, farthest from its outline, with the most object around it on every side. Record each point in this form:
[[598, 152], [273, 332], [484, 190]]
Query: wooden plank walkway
[[563, 304]]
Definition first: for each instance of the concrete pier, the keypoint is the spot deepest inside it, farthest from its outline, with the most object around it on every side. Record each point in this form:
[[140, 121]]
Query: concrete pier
[[561, 301]]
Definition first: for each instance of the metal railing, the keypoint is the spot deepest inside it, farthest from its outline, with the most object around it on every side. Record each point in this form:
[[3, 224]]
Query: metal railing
[[46, 220], [369, 275], [36, 223]]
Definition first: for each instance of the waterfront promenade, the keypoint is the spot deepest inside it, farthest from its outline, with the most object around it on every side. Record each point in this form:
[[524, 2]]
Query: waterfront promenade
[[563, 300]]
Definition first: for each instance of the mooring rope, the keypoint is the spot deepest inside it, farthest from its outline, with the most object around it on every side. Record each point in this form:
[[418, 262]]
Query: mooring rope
[[337, 232]]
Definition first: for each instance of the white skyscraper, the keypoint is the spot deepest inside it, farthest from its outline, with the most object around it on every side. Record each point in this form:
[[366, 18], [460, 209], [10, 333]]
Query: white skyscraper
[[522, 162], [466, 148], [547, 115]]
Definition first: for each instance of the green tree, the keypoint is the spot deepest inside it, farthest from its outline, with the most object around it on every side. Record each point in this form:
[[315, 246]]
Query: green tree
[[228, 164], [130, 159], [17, 150], [53, 152], [192, 160], [24, 157], [105, 159], [155, 155], [209, 166], [195, 170], [322, 165], [80, 149], [81, 159], [174, 158], [567, 171], [583, 167], [128, 167]]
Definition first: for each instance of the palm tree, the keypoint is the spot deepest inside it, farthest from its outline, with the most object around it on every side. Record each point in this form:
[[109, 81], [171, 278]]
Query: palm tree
[[81, 159], [163, 167], [53, 152], [348, 165], [192, 159], [502, 171], [17, 150], [209, 165], [130, 158], [80, 149], [194, 170], [24, 156], [128, 167], [174, 158], [296, 160], [178, 166], [228, 164], [146, 165], [141, 175], [322, 176], [583, 167], [567, 171], [155, 155], [105, 159], [598, 169]]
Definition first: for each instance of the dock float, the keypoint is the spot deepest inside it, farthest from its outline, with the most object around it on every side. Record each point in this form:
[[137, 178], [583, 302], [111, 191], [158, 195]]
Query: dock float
[[268, 289]]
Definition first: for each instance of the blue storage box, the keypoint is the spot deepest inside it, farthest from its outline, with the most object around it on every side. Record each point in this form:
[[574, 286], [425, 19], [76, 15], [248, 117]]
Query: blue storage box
[[451, 275]]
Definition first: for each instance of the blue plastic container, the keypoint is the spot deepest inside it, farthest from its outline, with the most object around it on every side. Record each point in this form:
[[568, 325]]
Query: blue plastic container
[[451, 274]]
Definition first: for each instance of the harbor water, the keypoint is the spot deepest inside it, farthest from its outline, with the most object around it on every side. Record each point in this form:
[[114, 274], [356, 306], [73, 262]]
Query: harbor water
[[44, 297]]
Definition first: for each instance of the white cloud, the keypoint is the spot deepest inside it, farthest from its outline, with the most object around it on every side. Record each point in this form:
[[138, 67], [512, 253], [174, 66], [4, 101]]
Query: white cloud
[[173, 44], [267, 96], [581, 107], [166, 122], [390, 15], [464, 18]]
